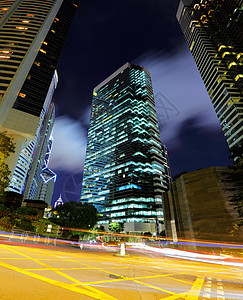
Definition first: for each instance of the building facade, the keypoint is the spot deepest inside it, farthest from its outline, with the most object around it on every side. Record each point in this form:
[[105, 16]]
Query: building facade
[[48, 178], [214, 34], [26, 164], [197, 207], [126, 168], [32, 35]]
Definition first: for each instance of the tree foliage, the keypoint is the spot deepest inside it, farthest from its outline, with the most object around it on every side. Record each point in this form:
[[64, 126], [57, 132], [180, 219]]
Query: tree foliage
[[76, 215], [235, 178], [12, 200], [115, 227], [7, 147], [29, 211]]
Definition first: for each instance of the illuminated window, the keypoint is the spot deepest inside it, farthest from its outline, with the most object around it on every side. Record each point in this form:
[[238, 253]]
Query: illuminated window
[[53, 31], [25, 21], [225, 53], [238, 77], [37, 63], [21, 28], [221, 47], [22, 95], [192, 45], [43, 51], [4, 57], [30, 15], [45, 43], [239, 55], [232, 64]]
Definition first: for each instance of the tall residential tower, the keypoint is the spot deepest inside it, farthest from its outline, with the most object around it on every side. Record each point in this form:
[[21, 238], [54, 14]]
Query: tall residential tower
[[126, 168], [214, 32]]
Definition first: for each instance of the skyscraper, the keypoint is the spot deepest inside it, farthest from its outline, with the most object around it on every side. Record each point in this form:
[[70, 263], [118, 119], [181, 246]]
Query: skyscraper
[[31, 158], [214, 33], [32, 35], [126, 168], [46, 185]]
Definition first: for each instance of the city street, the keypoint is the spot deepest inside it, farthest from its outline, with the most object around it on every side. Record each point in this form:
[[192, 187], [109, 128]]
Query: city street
[[29, 272]]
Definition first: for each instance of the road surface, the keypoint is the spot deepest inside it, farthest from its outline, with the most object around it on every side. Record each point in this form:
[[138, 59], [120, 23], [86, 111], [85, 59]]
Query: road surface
[[28, 272]]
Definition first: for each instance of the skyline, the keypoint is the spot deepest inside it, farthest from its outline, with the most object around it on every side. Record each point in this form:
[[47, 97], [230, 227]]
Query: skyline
[[187, 135]]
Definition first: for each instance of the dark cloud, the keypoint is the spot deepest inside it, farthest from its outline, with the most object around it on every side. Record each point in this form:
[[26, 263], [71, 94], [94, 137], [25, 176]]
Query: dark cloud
[[105, 35], [197, 147]]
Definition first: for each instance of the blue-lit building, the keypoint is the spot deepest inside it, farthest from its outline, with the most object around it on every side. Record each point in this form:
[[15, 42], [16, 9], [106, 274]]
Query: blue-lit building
[[126, 168]]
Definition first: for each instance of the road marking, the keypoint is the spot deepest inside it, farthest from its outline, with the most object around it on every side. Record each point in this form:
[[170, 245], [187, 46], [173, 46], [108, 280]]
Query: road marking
[[13, 258], [125, 278], [207, 288], [155, 287], [56, 271], [194, 293], [63, 269], [180, 280], [220, 292], [94, 293]]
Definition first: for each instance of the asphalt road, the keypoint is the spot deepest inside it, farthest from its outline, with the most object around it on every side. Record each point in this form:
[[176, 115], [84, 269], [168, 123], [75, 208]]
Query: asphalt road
[[28, 272]]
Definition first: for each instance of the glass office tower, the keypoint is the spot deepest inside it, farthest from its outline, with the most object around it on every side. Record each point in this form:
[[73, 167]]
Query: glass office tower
[[214, 33], [126, 168]]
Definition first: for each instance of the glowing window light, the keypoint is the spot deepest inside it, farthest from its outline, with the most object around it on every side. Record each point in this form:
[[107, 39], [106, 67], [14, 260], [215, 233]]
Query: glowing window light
[[4, 57], [221, 47], [225, 53], [21, 28], [22, 95], [25, 21], [232, 64], [239, 55], [238, 77], [129, 186], [43, 51]]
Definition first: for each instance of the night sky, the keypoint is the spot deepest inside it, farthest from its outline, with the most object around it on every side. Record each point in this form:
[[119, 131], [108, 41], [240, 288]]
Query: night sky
[[104, 36]]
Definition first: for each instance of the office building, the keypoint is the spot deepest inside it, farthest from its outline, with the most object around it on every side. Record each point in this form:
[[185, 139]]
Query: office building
[[48, 178], [197, 207], [126, 168], [40, 159], [214, 34], [32, 35], [26, 163]]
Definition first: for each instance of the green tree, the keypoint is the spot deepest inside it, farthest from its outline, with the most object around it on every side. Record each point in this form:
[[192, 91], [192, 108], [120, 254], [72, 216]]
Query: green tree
[[7, 147], [29, 211], [12, 200], [235, 178], [41, 226], [115, 227], [76, 215]]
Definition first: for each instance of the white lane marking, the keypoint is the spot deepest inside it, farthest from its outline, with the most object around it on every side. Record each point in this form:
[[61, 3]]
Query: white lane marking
[[205, 295]]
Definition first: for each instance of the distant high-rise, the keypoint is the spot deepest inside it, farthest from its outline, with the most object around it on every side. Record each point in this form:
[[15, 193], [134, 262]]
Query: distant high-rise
[[126, 168], [32, 35], [214, 33], [48, 178]]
